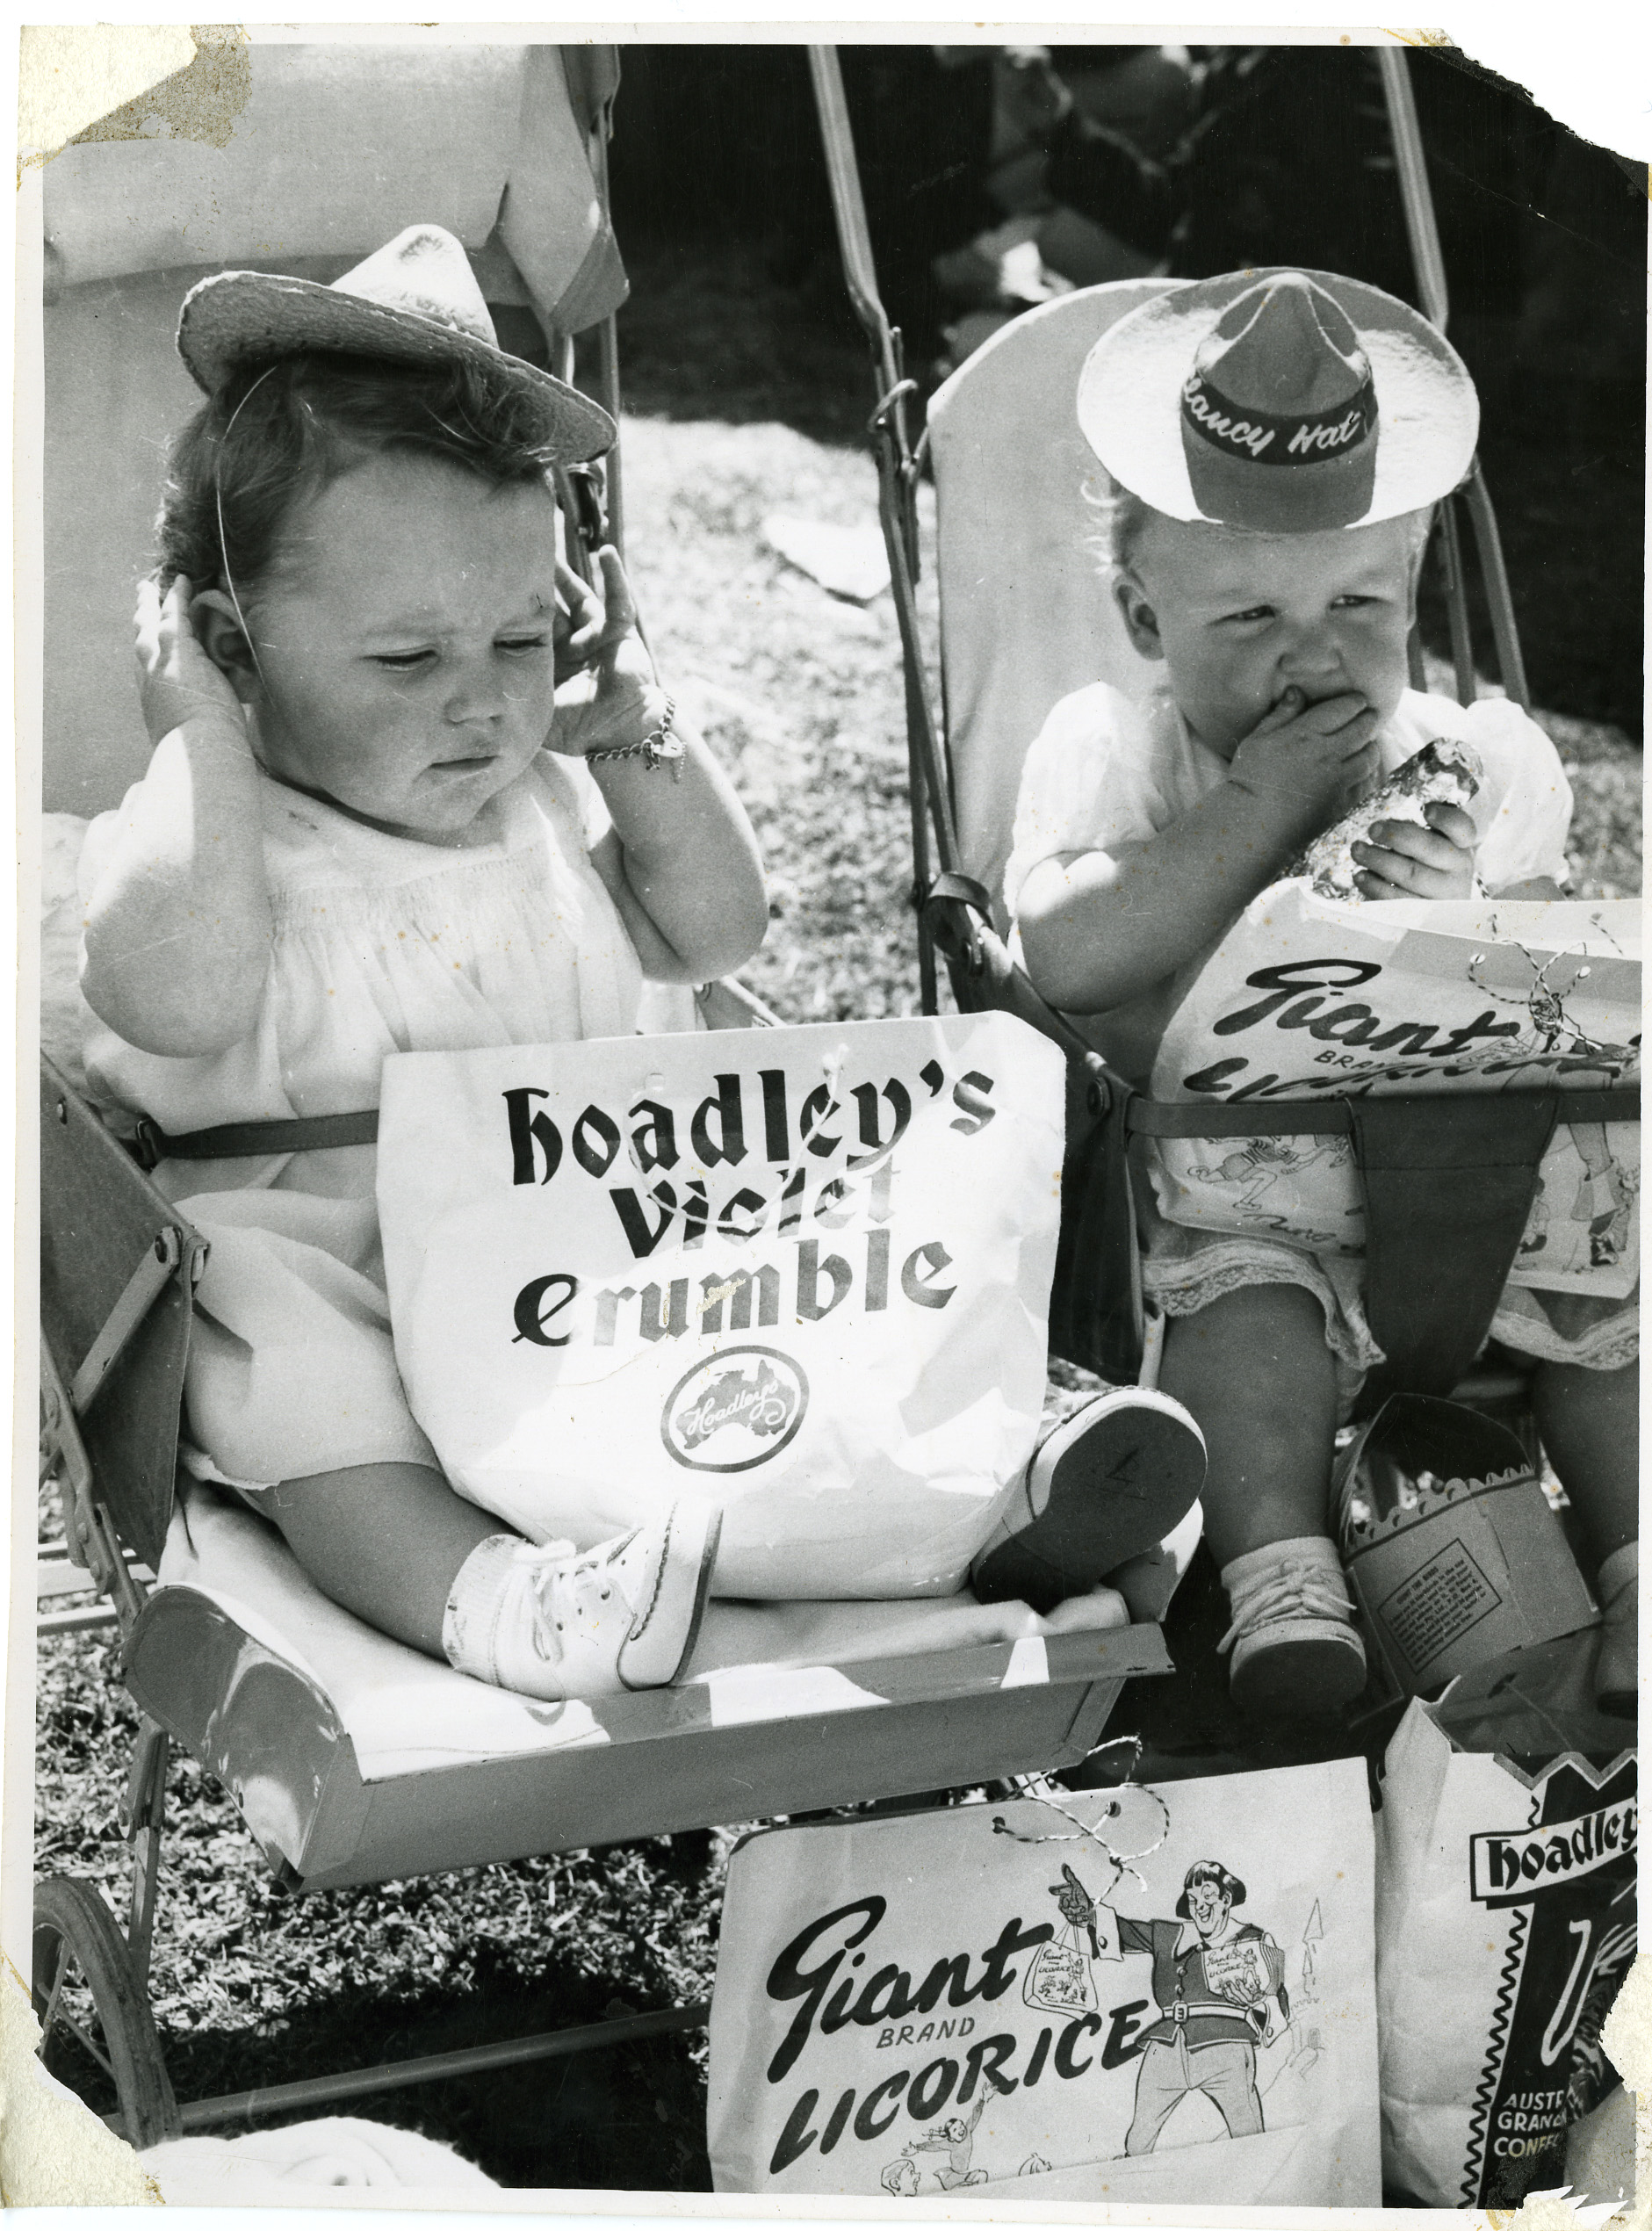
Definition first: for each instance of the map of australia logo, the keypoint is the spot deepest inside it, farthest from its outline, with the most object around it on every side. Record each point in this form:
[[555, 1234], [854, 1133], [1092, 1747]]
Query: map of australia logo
[[737, 1409]]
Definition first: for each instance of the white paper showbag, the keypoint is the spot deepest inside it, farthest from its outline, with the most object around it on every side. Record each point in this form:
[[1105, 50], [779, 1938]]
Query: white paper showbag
[[805, 1271], [1307, 998], [920, 2005], [1506, 1926]]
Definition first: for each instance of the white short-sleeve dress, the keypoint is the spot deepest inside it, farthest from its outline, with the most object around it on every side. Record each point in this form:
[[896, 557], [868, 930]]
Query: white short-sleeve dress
[[382, 945], [1104, 772]]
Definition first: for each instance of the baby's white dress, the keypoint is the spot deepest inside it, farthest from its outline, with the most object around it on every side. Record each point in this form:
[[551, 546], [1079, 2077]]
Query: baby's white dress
[[1103, 772], [382, 945]]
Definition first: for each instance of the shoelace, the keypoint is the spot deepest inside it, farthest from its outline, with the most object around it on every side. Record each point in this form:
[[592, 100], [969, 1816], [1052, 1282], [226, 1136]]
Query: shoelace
[[585, 1576], [1296, 1589]]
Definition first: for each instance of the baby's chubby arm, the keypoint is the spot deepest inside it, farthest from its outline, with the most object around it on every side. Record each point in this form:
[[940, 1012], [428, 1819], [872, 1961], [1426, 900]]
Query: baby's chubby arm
[[178, 927], [688, 878], [1103, 928], [694, 899]]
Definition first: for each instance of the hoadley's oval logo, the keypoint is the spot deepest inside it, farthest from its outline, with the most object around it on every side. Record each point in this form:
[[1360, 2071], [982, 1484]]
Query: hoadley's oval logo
[[736, 1410]]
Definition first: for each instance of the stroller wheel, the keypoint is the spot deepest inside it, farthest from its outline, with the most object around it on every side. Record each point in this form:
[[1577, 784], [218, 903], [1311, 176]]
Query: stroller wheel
[[98, 2035]]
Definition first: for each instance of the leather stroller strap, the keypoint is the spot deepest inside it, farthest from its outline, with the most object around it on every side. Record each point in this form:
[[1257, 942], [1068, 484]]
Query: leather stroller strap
[[1448, 1181], [1096, 1306], [1326, 1118], [1445, 1205], [950, 885], [283, 1135], [1245, 1119]]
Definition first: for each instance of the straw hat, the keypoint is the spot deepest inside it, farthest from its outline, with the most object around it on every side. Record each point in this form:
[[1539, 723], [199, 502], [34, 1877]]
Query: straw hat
[[414, 301], [1279, 401]]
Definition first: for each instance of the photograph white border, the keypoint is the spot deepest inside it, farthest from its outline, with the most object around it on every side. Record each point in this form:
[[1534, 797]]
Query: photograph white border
[[1594, 76]]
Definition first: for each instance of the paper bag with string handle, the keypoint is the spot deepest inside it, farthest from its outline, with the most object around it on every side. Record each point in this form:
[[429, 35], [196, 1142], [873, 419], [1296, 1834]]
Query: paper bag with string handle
[[1134, 1995]]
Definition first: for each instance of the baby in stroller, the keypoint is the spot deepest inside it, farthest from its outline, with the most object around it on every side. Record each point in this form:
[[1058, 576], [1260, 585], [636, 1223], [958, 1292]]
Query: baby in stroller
[[1276, 446], [374, 823]]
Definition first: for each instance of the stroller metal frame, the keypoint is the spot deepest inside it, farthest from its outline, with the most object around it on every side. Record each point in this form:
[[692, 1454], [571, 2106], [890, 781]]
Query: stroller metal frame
[[1481, 1158]]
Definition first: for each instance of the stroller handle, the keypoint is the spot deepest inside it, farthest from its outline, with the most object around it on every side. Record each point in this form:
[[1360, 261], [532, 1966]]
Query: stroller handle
[[855, 239]]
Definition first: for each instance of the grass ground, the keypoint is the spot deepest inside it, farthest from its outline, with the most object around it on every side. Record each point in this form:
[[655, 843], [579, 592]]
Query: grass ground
[[802, 696]]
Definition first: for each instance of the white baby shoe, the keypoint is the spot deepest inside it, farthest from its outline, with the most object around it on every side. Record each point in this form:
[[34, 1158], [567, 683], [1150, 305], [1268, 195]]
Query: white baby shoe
[[1617, 1586], [1111, 1482], [1296, 1653], [552, 1622]]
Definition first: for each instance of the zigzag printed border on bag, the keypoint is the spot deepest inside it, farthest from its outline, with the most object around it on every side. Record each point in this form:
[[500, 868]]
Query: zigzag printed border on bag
[[1502, 2008], [1596, 1777]]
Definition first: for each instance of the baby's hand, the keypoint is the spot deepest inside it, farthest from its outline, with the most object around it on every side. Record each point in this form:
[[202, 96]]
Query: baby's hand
[[577, 630], [614, 699], [1403, 860], [1313, 760], [176, 680]]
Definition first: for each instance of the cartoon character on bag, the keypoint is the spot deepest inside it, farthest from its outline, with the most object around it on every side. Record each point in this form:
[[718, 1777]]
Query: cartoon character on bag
[[1604, 1198], [1220, 1991], [955, 2138], [1258, 1165]]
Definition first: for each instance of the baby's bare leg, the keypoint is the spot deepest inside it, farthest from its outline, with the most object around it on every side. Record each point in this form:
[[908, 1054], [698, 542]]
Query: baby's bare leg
[[1256, 1372], [384, 1540], [1589, 1422], [394, 1544]]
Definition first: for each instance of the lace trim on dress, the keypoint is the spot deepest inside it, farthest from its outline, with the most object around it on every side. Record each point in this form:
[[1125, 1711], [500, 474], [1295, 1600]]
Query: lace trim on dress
[[1607, 1346], [1182, 1288]]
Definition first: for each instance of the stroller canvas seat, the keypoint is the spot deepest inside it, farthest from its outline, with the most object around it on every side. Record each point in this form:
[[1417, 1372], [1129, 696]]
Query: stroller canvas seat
[[354, 1758], [1026, 616]]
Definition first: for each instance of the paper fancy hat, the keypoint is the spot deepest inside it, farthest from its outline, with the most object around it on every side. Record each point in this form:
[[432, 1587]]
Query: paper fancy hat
[[1281, 401], [414, 301]]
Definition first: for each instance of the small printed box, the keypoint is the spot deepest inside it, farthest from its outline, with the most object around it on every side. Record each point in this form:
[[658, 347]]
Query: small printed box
[[1451, 1547]]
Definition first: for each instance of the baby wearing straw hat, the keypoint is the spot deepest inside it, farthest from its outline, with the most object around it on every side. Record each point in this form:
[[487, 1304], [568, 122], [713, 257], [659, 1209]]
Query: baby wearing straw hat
[[1276, 442], [415, 787], [374, 822]]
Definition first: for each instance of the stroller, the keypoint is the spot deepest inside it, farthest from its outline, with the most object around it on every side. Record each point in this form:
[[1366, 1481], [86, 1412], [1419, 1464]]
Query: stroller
[[352, 1759], [1447, 1182], [1020, 626]]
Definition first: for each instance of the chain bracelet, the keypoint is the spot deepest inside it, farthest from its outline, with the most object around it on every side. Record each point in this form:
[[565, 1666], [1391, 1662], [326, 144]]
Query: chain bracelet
[[658, 747]]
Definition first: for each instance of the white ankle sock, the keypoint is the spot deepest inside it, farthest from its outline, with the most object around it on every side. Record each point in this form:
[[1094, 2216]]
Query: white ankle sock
[[1301, 1577], [1309, 1549], [490, 1627]]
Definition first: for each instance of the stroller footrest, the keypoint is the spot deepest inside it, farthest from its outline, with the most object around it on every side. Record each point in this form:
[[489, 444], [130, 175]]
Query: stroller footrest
[[357, 1759]]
